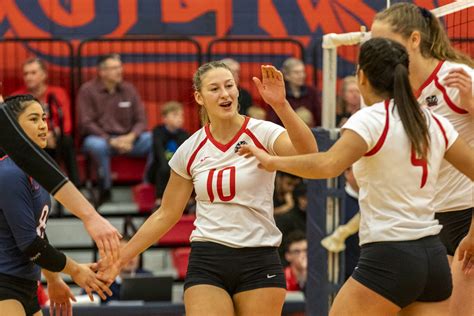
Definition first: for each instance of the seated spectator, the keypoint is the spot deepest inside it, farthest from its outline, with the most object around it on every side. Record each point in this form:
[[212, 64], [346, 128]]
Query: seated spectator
[[305, 115], [295, 219], [257, 112], [112, 119], [296, 248], [283, 195], [348, 101], [245, 99], [167, 137], [298, 93], [57, 106]]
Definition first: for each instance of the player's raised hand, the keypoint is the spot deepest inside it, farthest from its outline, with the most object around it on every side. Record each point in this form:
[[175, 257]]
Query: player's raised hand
[[265, 160], [271, 87], [460, 79]]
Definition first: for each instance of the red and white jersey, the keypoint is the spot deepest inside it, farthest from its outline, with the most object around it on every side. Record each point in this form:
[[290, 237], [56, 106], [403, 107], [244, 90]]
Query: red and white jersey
[[454, 190], [396, 187], [234, 197]]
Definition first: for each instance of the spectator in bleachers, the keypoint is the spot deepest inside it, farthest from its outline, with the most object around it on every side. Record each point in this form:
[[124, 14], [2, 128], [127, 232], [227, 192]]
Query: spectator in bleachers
[[167, 137], [296, 249], [283, 195], [348, 101], [295, 219], [298, 93], [112, 119], [305, 115], [257, 112], [57, 105], [245, 98]]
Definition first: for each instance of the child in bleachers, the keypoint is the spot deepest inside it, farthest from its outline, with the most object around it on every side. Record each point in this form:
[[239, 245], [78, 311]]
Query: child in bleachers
[[167, 137]]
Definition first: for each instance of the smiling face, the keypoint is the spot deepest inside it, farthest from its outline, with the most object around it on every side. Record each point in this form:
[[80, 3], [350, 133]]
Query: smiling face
[[33, 121], [218, 94]]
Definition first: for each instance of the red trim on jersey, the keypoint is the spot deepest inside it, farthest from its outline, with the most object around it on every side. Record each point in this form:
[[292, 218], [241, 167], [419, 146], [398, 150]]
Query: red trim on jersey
[[417, 162], [4, 157], [446, 98], [442, 130], [193, 156], [429, 79], [255, 140], [225, 147], [382, 138], [210, 176]]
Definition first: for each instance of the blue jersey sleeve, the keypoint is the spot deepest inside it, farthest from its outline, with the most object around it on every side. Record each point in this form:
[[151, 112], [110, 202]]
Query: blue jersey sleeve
[[17, 206]]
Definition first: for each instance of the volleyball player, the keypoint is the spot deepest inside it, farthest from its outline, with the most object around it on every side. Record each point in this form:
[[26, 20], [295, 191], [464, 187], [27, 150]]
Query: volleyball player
[[35, 162], [24, 247], [234, 266], [397, 149], [443, 79]]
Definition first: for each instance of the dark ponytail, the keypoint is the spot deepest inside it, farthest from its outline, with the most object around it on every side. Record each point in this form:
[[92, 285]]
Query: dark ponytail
[[385, 64], [410, 111]]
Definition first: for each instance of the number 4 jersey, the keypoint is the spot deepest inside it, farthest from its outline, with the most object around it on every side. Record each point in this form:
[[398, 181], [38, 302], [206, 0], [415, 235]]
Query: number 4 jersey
[[397, 187], [234, 197]]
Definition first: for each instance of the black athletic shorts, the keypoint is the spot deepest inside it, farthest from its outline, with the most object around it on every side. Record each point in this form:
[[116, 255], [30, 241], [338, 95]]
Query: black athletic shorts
[[22, 290], [234, 269], [406, 271], [455, 227]]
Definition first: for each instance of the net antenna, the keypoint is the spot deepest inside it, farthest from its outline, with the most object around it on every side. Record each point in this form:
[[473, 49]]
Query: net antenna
[[332, 41]]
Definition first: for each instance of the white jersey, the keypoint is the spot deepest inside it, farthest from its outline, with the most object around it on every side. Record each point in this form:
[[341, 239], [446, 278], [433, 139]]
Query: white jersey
[[234, 197], [396, 187], [454, 190]]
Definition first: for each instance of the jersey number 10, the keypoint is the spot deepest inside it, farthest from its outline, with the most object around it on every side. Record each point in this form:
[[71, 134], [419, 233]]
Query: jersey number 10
[[220, 191]]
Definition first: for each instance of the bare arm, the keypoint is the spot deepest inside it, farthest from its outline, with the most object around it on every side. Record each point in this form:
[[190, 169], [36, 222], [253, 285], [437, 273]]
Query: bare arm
[[102, 232], [298, 139], [347, 150], [175, 198], [461, 156]]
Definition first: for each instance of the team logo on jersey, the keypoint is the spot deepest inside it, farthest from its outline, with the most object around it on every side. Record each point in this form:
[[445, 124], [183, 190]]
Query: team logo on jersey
[[432, 100], [239, 144]]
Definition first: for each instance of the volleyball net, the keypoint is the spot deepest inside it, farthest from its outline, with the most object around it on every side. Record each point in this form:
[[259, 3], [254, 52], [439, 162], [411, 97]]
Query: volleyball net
[[326, 203], [457, 17]]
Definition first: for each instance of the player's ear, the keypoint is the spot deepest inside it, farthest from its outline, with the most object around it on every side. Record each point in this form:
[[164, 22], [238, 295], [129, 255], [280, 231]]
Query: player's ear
[[198, 98]]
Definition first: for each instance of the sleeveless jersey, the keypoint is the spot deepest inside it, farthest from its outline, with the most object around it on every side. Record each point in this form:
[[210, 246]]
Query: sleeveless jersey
[[397, 187], [234, 197]]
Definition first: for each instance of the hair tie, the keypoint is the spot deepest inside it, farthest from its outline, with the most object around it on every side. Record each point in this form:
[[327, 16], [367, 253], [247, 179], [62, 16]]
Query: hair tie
[[425, 13]]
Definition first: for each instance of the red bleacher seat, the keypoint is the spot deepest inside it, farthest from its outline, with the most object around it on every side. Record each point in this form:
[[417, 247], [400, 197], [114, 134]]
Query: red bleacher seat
[[180, 257], [124, 169], [179, 234], [144, 195]]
